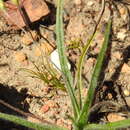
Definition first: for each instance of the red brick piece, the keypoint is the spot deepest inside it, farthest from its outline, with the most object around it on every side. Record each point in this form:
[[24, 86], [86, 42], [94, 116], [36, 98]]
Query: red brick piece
[[35, 9]]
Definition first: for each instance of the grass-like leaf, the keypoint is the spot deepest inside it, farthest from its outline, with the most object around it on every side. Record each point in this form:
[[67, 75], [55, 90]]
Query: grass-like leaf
[[28, 124], [63, 59], [79, 68], [109, 126], [82, 57], [83, 118], [47, 76]]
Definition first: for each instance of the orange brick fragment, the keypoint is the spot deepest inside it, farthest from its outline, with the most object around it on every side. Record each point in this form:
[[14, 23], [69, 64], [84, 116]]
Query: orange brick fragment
[[35, 9]]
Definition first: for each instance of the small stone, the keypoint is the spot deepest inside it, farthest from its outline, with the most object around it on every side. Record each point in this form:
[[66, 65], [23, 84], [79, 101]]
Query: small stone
[[77, 2], [44, 99], [20, 56], [110, 70], [43, 48], [112, 117], [117, 55], [45, 108], [122, 34], [125, 68], [51, 104], [109, 96], [27, 38], [90, 3], [122, 11], [126, 92]]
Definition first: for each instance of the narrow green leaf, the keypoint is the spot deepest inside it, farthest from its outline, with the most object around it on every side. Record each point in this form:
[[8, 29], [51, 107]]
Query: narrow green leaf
[[80, 63], [63, 59], [83, 118], [26, 123], [80, 66], [109, 126]]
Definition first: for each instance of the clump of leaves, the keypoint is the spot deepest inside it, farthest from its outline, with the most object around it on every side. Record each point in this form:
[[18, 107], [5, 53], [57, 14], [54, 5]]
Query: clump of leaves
[[45, 71], [76, 43]]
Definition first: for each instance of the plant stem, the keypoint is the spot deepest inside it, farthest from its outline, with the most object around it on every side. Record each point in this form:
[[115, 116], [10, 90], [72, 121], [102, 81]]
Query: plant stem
[[63, 59], [82, 57]]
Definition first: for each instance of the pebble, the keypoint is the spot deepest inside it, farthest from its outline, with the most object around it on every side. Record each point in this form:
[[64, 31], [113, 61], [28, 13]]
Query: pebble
[[20, 56], [112, 117], [122, 34], [27, 39], [125, 68], [90, 3], [45, 108], [77, 2], [122, 11], [109, 96], [126, 92], [51, 104], [43, 48]]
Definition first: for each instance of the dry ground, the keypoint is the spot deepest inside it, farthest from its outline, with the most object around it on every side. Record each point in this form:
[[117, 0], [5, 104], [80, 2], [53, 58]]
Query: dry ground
[[33, 95]]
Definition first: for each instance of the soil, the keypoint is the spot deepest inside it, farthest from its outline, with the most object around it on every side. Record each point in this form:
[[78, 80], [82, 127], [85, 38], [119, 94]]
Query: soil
[[32, 95]]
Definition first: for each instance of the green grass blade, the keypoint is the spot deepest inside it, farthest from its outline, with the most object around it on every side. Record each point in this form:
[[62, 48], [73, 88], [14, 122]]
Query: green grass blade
[[80, 66], [28, 71], [109, 126], [83, 118], [63, 59], [28, 124], [80, 63]]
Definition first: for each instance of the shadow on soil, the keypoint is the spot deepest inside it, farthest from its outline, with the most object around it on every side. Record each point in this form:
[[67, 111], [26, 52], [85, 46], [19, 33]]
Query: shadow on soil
[[10, 95], [111, 86]]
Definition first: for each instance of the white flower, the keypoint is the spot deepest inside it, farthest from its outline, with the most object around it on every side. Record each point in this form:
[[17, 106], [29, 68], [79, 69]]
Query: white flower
[[55, 59]]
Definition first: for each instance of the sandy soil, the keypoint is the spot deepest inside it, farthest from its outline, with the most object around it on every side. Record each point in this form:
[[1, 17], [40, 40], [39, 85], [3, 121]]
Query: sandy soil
[[33, 95]]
